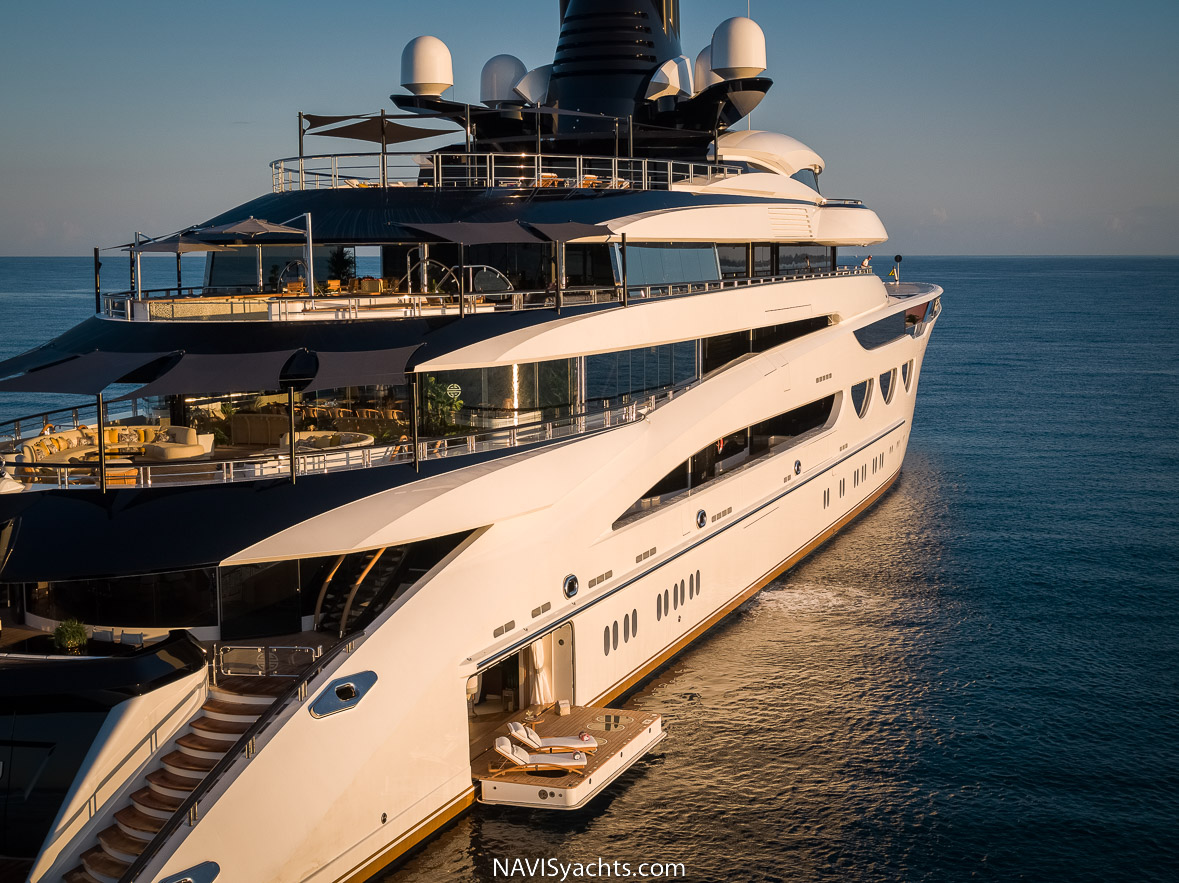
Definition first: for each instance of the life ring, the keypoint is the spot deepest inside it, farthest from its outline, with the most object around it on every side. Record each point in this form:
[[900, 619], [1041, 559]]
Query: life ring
[[720, 445]]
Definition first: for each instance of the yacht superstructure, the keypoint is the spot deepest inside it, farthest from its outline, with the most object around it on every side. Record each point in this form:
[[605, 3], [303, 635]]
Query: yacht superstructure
[[348, 551]]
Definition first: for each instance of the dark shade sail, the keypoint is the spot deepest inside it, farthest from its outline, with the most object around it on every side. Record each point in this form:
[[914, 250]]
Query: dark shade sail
[[475, 233], [85, 374], [370, 130], [569, 230], [204, 373], [362, 368]]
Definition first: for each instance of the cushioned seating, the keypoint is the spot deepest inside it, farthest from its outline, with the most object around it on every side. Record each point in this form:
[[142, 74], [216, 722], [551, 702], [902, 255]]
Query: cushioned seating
[[74, 445], [257, 429], [324, 441], [173, 443]]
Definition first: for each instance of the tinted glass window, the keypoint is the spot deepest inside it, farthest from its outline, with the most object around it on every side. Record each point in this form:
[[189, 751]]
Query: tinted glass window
[[861, 393], [807, 177], [659, 264], [181, 598], [734, 261]]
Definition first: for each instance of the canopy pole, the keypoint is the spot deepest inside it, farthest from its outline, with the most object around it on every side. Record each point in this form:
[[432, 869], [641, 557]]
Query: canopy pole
[[560, 275], [258, 247], [462, 266], [310, 258], [97, 291], [137, 268], [179, 280], [101, 448], [291, 422], [300, 134], [384, 168], [625, 286], [413, 420]]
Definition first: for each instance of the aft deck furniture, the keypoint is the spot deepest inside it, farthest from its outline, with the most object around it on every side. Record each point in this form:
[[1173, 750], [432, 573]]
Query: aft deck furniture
[[529, 738], [81, 445], [519, 760], [257, 429], [324, 440]]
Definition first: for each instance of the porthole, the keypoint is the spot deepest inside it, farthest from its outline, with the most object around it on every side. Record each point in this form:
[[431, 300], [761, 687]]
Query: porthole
[[798, 467], [614, 635], [907, 374], [606, 641], [691, 587], [701, 518], [888, 385], [697, 583], [626, 629], [675, 597], [634, 622], [658, 608], [570, 586], [861, 395], [666, 609], [683, 596]]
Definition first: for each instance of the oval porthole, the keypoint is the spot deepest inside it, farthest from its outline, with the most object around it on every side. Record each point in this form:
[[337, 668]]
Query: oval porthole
[[701, 518], [675, 597], [666, 602], [615, 636], [570, 586], [798, 467], [683, 595], [658, 608], [634, 622], [606, 641], [697, 583], [626, 628]]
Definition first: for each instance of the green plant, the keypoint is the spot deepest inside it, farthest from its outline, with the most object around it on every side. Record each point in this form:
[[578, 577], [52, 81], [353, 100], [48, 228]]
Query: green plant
[[70, 636], [441, 406], [341, 264]]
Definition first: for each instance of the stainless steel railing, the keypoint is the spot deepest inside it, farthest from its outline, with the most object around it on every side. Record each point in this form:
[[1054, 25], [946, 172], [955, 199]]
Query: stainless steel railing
[[482, 170]]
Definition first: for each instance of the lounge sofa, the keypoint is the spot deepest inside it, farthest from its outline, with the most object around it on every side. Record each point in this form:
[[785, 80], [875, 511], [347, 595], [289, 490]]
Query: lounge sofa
[[257, 429], [324, 440], [73, 445]]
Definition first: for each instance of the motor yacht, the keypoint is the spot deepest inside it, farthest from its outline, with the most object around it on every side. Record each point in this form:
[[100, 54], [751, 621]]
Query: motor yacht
[[351, 553]]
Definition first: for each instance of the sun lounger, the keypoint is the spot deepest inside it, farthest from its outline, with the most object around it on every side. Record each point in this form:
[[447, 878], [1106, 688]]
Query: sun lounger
[[534, 742], [519, 760]]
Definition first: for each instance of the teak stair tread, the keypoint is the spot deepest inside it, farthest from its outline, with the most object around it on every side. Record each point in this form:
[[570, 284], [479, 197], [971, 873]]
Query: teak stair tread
[[97, 862], [79, 875], [183, 761], [114, 838], [165, 779], [130, 817], [200, 743], [218, 707], [227, 728], [155, 800]]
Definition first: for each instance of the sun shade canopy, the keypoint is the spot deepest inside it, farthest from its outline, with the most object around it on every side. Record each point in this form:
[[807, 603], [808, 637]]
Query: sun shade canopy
[[473, 233]]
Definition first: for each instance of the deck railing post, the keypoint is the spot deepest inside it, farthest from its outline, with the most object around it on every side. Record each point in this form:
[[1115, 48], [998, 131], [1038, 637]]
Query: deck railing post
[[101, 448]]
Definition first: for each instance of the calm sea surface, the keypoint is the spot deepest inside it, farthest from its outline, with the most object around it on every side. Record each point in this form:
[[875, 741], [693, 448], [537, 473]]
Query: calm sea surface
[[978, 679]]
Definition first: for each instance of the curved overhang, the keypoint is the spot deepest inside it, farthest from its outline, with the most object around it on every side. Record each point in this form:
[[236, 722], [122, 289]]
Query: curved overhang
[[769, 150]]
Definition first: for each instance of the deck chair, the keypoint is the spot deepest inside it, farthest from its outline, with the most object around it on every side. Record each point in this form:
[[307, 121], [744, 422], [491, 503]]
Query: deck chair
[[519, 760], [529, 738]]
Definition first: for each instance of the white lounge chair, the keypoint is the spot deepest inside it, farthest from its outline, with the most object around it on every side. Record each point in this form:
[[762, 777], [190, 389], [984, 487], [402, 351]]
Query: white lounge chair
[[535, 742], [519, 760]]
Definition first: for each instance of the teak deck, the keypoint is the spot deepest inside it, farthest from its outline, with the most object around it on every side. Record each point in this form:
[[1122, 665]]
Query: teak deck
[[620, 728]]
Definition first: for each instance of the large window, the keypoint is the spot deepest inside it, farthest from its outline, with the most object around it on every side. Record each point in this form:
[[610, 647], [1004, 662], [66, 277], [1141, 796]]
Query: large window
[[177, 598], [460, 402], [661, 264], [611, 376], [795, 259]]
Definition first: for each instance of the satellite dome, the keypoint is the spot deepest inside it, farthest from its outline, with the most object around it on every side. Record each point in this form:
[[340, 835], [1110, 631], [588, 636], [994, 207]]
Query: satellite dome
[[426, 67], [738, 49], [498, 80], [705, 76]]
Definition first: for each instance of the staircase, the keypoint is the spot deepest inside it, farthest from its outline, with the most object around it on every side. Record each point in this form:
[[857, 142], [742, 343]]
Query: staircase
[[360, 586], [231, 707]]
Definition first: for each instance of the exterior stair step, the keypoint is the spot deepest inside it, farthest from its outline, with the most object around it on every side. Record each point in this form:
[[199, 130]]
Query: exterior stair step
[[135, 824], [220, 694], [181, 764], [152, 803], [102, 867], [119, 846], [225, 731], [233, 712], [168, 785], [198, 746], [79, 875]]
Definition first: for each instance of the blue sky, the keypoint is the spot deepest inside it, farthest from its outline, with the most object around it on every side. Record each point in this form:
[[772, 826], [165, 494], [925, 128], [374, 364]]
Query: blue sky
[[999, 128]]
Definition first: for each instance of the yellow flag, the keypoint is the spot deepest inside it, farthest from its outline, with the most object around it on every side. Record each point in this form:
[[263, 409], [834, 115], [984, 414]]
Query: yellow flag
[[893, 272]]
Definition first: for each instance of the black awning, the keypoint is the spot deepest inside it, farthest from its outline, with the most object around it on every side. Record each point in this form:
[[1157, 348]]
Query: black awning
[[204, 373], [34, 359], [84, 374], [362, 368], [569, 230], [476, 233]]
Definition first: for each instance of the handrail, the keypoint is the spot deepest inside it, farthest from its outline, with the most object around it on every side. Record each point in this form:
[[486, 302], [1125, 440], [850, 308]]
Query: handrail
[[274, 307], [483, 170], [243, 750], [93, 803]]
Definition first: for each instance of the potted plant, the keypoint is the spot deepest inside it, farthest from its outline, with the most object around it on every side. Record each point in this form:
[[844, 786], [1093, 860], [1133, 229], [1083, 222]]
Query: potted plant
[[70, 637]]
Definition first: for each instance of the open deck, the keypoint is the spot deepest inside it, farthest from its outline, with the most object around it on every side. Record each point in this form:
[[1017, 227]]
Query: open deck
[[623, 736]]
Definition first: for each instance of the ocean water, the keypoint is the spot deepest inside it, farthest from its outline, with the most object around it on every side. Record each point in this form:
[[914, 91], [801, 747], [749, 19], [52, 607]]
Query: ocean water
[[979, 679]]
